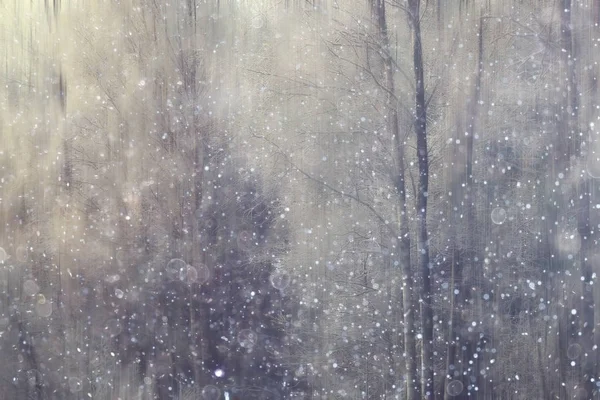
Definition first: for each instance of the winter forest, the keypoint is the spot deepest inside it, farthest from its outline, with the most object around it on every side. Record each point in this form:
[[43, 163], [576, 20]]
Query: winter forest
[[299, 199]]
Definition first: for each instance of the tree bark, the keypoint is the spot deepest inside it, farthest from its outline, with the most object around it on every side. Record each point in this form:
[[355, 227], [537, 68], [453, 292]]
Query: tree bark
[[569, 58], [572, 101], [454, 328], [423, 161], [413, 386], [589, 367]]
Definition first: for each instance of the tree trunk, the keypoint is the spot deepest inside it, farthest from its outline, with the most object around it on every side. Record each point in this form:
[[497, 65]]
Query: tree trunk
[[572, 100], [413, 387], [423, 161], [454, 330], [588, 366]]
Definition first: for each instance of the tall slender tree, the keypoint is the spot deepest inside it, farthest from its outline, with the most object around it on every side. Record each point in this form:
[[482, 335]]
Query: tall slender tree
[[420, 126], [403, 242]]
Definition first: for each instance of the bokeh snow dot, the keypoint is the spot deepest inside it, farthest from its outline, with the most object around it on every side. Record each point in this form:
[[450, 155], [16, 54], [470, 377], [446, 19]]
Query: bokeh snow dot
[[247, 338], [574, 351], [257, 22], [454, 388], [22, 253], [188, 274], [75, 384], [280, 280], [43, 309], [209, 224], [203, 273], [3, 255], [30, 288], [211, 392], [244, 239], [174, 267], [593, 166], [113, 327], [498, 215]]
